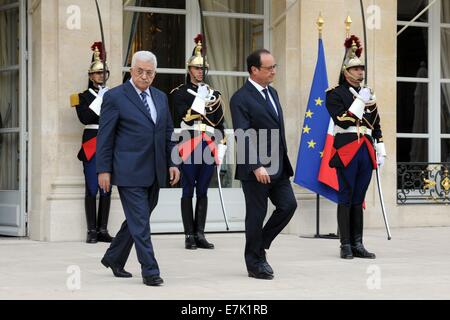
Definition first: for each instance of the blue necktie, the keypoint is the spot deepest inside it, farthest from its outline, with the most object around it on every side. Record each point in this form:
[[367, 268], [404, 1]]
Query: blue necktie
[[150, 110], [269, 102]]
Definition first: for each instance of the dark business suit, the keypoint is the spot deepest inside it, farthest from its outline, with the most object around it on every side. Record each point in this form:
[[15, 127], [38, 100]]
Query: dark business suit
[[137, 153], [250, 110]]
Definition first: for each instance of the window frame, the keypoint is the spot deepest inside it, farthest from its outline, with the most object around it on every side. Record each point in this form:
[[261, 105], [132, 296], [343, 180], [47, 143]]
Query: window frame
[[434, 81], [193, 27]]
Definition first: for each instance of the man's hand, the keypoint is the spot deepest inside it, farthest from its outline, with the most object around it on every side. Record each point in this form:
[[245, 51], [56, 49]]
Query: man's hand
[[174, 175], [262, 176], [104, 181]]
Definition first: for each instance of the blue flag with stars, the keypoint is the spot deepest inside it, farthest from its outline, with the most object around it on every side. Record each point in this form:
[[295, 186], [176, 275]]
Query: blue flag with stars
[[314, 134]]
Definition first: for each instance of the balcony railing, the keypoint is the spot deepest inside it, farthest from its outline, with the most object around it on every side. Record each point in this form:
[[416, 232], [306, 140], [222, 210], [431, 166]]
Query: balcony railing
[[423, 183]]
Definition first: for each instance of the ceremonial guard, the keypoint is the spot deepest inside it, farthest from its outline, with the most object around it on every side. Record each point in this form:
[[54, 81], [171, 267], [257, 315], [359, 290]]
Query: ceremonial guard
[[198, 111], [88, 106], [358, 147]]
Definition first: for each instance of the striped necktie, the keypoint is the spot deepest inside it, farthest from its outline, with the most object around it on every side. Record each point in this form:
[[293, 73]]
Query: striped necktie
[[151, 111]]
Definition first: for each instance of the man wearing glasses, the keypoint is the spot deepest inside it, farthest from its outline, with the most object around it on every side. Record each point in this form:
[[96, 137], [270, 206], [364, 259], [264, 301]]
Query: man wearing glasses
[[134, 153], [263, 166]]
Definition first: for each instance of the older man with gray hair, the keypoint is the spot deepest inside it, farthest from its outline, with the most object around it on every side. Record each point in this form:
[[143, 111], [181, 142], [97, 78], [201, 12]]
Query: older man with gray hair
[[134, 147]]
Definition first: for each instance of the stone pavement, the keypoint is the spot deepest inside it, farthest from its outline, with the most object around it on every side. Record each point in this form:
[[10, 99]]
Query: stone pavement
[[414, 265]]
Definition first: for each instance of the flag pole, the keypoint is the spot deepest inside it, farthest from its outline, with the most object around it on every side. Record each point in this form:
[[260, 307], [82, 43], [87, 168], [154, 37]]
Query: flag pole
[[320, 22]]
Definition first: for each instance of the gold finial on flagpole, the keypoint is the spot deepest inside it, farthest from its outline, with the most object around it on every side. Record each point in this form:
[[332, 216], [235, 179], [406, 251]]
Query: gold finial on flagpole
[[348, 24], [320, 22]]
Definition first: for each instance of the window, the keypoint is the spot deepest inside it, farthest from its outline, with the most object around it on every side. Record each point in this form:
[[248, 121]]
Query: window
[[233, 29], [423, 84], [9, 95]]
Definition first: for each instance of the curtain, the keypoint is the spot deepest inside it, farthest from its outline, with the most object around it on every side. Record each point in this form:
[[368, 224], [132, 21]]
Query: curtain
[[229, 42], [419, 146], [9, 116]]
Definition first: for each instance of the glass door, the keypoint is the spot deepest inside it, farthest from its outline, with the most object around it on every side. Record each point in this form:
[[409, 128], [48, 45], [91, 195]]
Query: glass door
[[13, 101]]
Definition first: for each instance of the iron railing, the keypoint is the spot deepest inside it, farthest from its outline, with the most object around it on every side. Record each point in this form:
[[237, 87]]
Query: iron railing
[[423, 183]]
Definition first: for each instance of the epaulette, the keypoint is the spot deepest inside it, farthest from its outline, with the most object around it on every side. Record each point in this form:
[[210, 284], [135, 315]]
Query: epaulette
[[331, 88], [177, 88], [74, 100]]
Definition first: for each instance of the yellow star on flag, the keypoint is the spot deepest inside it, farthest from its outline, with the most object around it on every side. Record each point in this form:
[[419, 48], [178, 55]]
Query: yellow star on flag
[[311, 144], [319, 102], [309, 114], [321, 154], [306, 129]]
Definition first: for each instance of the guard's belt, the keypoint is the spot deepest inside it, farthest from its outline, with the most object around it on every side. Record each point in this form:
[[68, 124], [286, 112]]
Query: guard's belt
[[198, 127], [92, 126], [362, 130]]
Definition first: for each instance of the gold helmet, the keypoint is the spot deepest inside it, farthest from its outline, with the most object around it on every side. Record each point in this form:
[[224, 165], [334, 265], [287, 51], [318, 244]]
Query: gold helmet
[[197, 59], [353, 54], [97, 63]]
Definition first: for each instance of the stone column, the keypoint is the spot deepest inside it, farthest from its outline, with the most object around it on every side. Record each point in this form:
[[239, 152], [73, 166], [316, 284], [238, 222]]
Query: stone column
[[62, 34]]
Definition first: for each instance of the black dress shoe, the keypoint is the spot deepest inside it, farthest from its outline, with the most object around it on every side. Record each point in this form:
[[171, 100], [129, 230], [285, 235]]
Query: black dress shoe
[[152, 280], [360, 252], [265, 264], [260, 273], [346, 252], [267, 267], [117, 271]]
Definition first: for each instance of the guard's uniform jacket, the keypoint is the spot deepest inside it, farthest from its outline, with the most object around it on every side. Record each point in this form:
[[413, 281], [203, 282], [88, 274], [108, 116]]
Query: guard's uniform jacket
[[347, 140], [89, 118], [201, 127]]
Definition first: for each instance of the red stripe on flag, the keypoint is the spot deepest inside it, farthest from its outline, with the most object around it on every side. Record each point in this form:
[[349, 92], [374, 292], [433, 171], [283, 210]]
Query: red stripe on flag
[[327, 174]]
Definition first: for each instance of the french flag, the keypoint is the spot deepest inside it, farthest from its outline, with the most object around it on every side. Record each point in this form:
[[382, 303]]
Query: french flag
[[328, 175]]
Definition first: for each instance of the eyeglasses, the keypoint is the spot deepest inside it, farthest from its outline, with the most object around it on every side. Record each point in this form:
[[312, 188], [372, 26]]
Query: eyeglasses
[[270, 68], [148, 73]]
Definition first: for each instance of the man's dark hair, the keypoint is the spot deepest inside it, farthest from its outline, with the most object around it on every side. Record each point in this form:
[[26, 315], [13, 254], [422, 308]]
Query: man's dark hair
[[254, 59]]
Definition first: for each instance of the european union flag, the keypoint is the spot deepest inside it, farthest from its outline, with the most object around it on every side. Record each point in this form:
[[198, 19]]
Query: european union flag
[[314, 134]]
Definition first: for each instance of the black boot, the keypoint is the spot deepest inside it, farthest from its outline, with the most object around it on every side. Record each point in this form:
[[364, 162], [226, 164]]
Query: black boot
[[343, 217], [187, 213], [90, 207], [357, 223], [201, 208], [102, 222]]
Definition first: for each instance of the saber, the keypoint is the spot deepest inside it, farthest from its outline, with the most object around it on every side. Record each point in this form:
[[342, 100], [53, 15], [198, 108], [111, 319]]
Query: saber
[[202, 22], [221, 198], [380, 191], [103, 42], [363, 14], [383, 209]]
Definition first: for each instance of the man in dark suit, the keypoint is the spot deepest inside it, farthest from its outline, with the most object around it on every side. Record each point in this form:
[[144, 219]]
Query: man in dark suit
[[263, 165], [134, 147]]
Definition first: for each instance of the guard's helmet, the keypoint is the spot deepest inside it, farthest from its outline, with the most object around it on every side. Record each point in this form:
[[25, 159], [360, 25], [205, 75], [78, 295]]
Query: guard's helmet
[[97, 64], [353, 54], [196, 60]]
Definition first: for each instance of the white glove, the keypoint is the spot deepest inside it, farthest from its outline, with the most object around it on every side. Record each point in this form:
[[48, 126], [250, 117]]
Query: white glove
[[365, 94], [380, 149], [222, 149], [203, 91], [380, 160], [96, 105], [202, 97], [362, 98], [102, 91], [381, 153]]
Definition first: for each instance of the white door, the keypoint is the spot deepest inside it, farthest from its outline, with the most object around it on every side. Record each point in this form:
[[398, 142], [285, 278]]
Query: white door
[[13, 122]]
